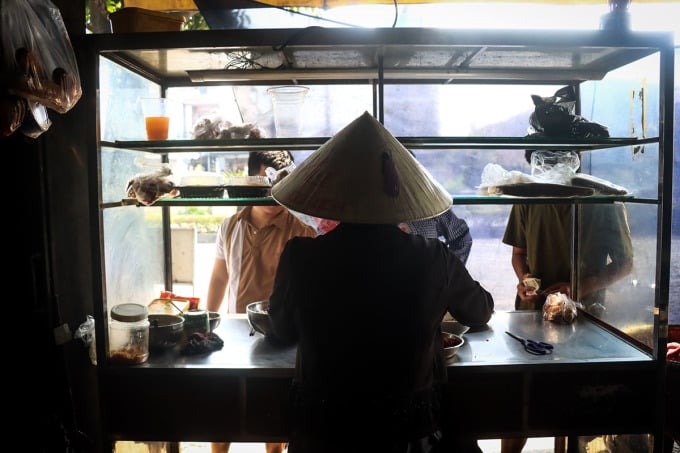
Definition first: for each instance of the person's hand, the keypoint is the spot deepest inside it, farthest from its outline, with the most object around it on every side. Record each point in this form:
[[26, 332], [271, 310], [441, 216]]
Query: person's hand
[[673, 351], [527, 293], [560, 287]]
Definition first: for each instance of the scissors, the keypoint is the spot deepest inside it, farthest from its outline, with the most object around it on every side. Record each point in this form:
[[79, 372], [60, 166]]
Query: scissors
[[532, 346]]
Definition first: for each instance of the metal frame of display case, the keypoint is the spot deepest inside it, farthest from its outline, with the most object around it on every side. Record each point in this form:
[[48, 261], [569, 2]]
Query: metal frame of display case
[[598, 392]]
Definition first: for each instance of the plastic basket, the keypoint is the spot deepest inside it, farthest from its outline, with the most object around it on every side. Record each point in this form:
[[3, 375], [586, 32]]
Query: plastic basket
[[201, 191], [248, 191], [132, 20]]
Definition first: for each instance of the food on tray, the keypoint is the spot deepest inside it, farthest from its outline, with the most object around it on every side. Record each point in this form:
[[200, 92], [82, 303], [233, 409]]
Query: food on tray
[[208, 128], [538, 189], [147, 188], [599, 185], [242, 131], [214, 127]]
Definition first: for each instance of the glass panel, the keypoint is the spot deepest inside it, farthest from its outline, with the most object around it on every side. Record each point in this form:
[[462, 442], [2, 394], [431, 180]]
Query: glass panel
[[120, 113], [461, 109], [626, 100], [674, 290], [133, 254], [326, 109], [626, 303], [634, 169], [490, 260], [118, 166]]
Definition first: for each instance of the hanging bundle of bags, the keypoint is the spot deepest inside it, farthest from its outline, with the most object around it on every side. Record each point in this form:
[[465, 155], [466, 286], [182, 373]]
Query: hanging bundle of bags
[[38, 68]]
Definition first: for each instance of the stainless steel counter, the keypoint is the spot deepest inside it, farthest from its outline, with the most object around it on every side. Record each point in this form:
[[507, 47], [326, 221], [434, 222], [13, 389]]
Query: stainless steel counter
[[580, 342], [588, 385]]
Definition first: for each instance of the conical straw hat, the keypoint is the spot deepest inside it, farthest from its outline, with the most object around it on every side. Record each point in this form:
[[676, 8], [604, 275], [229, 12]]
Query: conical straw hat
[[363, 175]]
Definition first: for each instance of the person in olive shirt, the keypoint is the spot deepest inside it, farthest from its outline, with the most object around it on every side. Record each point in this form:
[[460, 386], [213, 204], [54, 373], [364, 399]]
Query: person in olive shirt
[[540, 236], [248, 247], [364, 302]]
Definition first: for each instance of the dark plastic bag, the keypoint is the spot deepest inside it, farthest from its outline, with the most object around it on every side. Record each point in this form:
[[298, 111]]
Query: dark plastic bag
[[554, 116], [38, 62]]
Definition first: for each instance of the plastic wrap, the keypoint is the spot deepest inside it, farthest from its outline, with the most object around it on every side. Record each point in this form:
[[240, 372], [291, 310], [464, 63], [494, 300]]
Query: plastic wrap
[[86, 334], [275, 176], [556, 167], [558, 307]]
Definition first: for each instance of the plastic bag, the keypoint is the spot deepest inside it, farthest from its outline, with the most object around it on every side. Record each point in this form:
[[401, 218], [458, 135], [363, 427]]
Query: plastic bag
[[147, 188], [558, 307], [275, 176], [493, 175], [12, 113], [554, 116], [556, 167], [86, 333], [38, 61]]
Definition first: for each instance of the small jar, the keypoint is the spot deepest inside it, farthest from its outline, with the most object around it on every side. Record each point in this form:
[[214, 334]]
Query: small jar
[[196, 321], [129, 334]]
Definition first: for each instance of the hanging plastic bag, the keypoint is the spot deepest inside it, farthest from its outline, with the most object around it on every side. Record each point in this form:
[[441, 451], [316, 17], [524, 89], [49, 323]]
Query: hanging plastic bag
[[554, 116], [38, 62], [86, 334]]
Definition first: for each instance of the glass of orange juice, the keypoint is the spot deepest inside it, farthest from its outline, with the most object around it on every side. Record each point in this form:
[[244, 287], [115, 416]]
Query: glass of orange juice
[[156, 118]]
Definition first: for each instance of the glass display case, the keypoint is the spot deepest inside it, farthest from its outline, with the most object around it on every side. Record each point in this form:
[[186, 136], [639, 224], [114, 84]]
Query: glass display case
[[460, 100]]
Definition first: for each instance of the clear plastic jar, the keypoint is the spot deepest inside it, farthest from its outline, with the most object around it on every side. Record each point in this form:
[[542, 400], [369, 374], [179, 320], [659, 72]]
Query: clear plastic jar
[[129, 334]]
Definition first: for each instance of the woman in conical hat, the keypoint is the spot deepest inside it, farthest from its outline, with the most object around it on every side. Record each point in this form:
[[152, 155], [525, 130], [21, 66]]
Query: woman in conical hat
[[365, 301]]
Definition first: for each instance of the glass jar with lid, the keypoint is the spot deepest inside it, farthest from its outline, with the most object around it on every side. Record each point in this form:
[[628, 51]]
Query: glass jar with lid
[[129, 334]]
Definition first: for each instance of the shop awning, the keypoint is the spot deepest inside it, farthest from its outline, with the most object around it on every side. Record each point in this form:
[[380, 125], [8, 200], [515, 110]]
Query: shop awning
[[189, 5]]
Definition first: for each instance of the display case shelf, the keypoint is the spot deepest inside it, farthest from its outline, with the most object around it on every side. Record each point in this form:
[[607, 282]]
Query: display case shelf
[[457, 200], [312, 143]]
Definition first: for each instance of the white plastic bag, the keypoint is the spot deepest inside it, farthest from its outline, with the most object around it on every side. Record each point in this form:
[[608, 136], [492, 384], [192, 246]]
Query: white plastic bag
[[86, 333]]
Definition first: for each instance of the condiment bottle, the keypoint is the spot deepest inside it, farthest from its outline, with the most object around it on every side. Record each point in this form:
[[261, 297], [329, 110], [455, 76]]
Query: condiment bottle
[[129, 334]]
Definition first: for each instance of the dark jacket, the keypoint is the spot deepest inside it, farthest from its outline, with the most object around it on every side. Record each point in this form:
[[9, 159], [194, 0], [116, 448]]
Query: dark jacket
[[365, 303]]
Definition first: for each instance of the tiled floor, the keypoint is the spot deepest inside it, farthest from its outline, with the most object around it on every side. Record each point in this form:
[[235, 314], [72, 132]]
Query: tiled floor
[[535, 445]]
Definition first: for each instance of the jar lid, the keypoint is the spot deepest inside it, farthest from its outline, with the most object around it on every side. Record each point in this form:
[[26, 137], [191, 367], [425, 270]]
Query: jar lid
[[129, 312]]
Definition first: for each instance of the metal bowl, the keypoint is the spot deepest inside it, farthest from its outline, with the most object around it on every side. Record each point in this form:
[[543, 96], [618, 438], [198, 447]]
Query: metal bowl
[[215, 319], [454, 327], [452, 343], [258, 317], [165, 331]]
